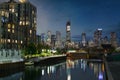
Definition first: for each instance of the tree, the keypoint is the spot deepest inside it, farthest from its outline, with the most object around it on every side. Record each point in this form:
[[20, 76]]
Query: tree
[[39, 48], [31, 49], [46, 47]]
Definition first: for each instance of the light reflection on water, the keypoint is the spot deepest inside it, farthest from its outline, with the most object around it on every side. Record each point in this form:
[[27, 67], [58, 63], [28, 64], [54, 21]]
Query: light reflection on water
[[69, 70]]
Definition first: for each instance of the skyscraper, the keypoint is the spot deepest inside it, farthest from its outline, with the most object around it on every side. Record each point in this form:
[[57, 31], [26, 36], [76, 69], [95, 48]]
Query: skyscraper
[[53, 40], [49, 38], [113, 39], [58, 40], [68, 34], [84, 39], [97, 37], [27, 21]]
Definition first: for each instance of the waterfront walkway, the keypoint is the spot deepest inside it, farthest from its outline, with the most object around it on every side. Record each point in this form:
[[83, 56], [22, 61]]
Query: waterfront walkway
[[114, 67], [37, 59]]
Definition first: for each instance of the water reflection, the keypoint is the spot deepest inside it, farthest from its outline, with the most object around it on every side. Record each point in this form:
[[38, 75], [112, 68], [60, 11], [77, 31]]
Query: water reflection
[[69, 70]]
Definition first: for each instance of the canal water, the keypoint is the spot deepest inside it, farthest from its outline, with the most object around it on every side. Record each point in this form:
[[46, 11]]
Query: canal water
[[81, 69]]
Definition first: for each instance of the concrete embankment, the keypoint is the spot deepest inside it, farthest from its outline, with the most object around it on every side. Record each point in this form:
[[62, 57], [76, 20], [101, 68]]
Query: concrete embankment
[[114, 67], [49, 60], [10, 68], [108, 72]]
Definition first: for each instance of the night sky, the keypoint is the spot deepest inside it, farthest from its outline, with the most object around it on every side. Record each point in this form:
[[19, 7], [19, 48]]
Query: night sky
[[84, 15]]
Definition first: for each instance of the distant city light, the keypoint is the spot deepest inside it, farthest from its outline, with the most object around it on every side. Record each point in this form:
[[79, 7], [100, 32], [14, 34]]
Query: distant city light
[[100, 29]]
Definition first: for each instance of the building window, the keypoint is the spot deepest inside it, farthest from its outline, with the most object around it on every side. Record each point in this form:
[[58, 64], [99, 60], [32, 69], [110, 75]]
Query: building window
[[23, 22], [8, 30], [20, 23], [21, 42], [12, 8], [30, 31], [13, 31], [9, 25], [13, 26], [33, 12], [27, 22], [15, 41], [8, 40], [16, 14], [12, 41], [6, 14], [2, 13]]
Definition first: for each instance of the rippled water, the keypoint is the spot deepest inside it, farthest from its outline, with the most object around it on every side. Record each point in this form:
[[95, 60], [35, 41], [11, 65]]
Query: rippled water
[[69, 70]]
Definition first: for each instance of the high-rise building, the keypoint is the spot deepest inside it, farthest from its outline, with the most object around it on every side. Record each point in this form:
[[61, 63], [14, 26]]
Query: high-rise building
[[9, 37], [49, 38], [58, 40], [113, 39], [53, 40], [38, 39], [97, 37], [68, 34], [24, 24], [84, 39]]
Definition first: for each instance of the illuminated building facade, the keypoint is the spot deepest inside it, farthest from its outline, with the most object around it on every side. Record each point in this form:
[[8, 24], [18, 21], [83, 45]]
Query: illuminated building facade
[[38, 39], [8, 30], [84, 39], [58, 40], [53, 40], [49, 38], [23, 24], [113, 39], [97, 37], [68, 34]]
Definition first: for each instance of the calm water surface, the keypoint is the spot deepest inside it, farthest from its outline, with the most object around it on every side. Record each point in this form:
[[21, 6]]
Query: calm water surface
[[69, 70]]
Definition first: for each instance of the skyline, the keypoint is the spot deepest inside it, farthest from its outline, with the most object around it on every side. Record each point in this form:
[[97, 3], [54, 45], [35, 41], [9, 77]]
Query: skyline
[[85, 16]]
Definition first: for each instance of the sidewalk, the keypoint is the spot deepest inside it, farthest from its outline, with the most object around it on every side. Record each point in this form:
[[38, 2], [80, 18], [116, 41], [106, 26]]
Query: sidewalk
[[114, 67]]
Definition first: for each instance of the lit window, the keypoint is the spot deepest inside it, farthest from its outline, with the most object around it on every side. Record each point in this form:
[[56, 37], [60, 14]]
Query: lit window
[[27, 22], [8, 30], [21, 42], [9, 40], [33, 12], [10, 9], [30, 31], [13, 26], [13, 31], [3, 13], [15, 41], [9, 25], [13, 10], [16, 14], [6, 14], [23, 22], [20, 23], [34, 20]]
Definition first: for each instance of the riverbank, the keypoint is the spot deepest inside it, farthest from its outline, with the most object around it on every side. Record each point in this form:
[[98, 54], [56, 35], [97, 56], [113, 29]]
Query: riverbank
[[49, 60], [11, 67], [112, 65]]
